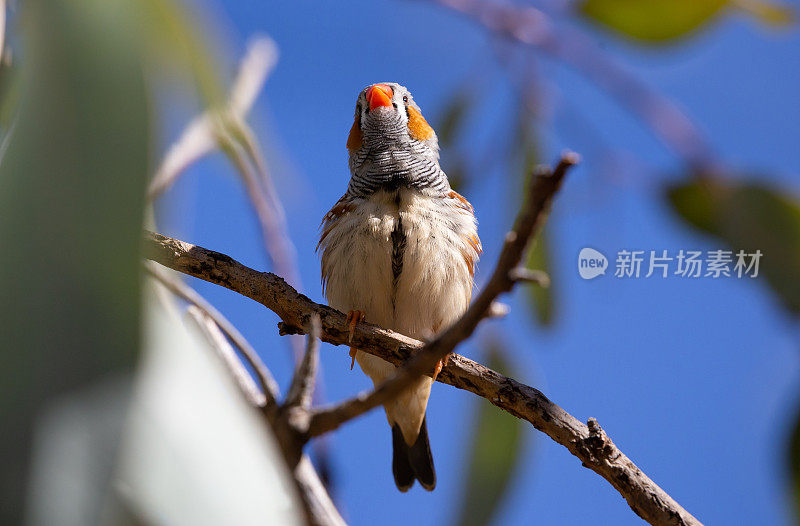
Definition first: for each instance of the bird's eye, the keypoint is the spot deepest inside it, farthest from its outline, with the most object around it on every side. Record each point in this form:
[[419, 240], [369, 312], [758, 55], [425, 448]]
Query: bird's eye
[[405, 99]]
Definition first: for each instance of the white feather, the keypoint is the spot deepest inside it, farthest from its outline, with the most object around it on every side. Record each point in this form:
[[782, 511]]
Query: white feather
[[432, 291]]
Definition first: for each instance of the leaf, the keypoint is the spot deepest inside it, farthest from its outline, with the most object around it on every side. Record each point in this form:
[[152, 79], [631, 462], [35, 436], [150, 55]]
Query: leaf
[[176, 43], [457, 175], [749, 216], [234, 472], [450, 125], [538, 257], [72, 196], [541, 298], [496, 446], [653, 21], [452, 120]]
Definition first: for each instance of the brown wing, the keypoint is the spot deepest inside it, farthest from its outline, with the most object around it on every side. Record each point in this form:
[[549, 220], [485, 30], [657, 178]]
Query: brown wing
[[339, 210], [473, 248]]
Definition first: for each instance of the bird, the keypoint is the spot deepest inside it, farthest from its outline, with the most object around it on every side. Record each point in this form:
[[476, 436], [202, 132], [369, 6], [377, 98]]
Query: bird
[[399, 249]]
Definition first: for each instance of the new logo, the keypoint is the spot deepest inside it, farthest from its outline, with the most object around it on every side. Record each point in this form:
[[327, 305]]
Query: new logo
[[591, 263]]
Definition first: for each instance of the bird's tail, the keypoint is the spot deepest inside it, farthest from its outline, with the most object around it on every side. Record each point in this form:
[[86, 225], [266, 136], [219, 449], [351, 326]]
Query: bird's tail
[[412, 462]]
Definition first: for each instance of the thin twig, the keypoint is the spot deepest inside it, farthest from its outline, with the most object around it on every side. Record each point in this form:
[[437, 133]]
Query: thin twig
[[526, 275], [200, 136], [498, 310], [268, 384], [216, 338], [302, 387], [317, 505]]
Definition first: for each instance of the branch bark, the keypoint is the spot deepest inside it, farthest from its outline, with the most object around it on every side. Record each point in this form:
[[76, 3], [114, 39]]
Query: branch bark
[[588, 441], [302, 388]]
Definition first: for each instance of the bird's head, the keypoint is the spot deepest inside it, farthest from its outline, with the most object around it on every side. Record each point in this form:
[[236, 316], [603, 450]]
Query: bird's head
[[387, 116]]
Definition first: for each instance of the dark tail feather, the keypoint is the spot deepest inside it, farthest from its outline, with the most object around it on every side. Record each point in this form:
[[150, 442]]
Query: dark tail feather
[[421, 459], [410, 462], [401, 468]]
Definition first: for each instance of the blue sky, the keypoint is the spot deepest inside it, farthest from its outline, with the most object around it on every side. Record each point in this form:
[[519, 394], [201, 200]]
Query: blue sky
[[697, 381]]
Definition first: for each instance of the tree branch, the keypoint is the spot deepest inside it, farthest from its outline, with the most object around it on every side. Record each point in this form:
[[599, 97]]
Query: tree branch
[[216, 338], [302, 387], [587, 442], [317, 505], [268, 384], [526, 275]]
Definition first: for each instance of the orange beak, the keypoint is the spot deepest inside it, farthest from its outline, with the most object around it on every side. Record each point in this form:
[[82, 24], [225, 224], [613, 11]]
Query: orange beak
[[379, 95]]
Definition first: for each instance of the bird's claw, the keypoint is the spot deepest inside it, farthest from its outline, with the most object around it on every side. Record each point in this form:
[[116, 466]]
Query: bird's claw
[[353, 356], [353, 317], [438, 368]]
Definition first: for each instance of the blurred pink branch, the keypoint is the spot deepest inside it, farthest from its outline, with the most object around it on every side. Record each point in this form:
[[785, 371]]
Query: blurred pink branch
[[529, 26]]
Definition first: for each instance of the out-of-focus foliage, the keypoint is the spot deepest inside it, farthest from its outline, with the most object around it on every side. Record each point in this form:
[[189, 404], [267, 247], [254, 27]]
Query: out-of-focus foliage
[[749, 216], [660, 21], [449, 128], [526, 150], [194, 451], [174, 42], [541, 298], [71, 194], [652, 20], [776, 15], [493, 456], [453, 117]]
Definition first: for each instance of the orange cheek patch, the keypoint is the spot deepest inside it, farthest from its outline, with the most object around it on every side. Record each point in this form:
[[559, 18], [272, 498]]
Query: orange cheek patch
[[418, 127], [355, 137]]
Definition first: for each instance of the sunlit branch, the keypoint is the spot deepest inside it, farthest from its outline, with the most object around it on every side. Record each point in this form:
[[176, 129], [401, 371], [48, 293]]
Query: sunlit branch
[[588, 443]]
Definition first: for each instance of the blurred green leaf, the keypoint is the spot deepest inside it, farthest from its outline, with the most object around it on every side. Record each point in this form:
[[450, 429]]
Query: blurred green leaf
[[653, 21], [449, 126], [176, 42], [72, 195], [457, 175], [496, 446], [749, 216], [452, 120], [541, 298]]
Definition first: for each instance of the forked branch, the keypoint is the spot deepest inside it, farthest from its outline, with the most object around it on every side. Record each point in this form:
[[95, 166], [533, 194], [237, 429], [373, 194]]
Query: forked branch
[[588, 442]]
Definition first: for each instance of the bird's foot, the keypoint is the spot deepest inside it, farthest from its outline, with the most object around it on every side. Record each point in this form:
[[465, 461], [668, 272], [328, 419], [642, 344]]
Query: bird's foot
[[353, 356], [353, 317], [438, 368]]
